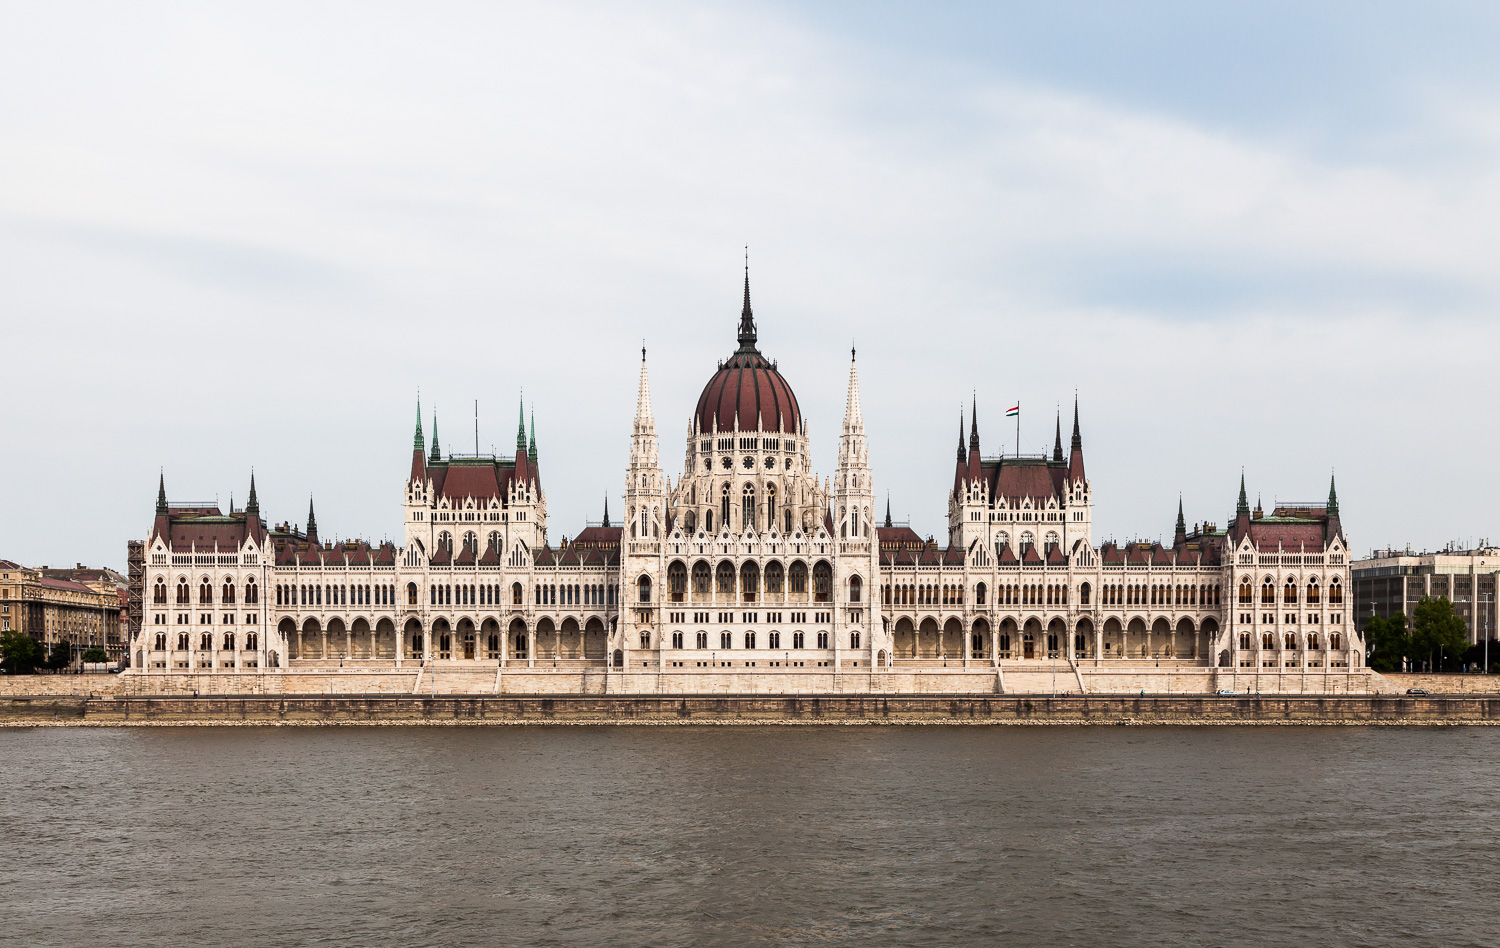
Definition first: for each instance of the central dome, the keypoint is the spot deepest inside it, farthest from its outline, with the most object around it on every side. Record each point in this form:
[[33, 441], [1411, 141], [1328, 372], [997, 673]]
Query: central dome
[[747, 393]]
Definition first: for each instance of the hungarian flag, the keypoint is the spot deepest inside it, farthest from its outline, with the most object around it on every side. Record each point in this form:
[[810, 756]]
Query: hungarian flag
[[1013, 412]]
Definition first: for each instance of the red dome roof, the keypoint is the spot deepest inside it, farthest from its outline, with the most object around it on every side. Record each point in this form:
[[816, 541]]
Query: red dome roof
[[747, 393]]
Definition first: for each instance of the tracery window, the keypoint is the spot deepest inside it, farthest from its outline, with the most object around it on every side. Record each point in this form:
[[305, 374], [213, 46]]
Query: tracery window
[[775, 575], [205, 592], [798, 578], [822, 581], [1312, 591], [159, 593], [677, 581], [644, 586], [856, 588], [724, 580], [1289, 593], [700, 580], [1335, 592], [747, 509], [1267, 593]]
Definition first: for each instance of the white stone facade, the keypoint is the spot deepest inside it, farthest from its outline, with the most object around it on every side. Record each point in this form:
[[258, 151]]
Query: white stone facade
[[750, 565]]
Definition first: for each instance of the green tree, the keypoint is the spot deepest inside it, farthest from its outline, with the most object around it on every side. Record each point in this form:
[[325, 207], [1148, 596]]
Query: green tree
[[95, 655], [20, 654], [61, 655], [1438, 633], [1388, 641]]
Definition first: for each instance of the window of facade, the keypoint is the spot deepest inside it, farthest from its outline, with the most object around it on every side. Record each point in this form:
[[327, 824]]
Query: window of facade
[[643, 585], [822, 581], [798, 578]]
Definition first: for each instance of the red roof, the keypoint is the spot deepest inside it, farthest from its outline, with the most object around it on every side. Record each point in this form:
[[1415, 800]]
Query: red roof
[[748, 394]]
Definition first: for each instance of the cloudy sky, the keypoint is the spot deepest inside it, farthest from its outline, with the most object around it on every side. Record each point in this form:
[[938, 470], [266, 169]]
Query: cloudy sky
[[1261, 236]]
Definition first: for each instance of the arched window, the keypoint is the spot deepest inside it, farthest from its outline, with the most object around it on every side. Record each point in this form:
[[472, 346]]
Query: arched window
[[411, 594], [856, 588], [252, 592], [1291, 640], [1028, 542], [161, 641], [645, 522], [724, 506], [775, 577], [1312, 640], [677, 581], [980, 591], [1312, 592], [1245, 593], [159, 593], [747, 509], [822, 582], [226, 595], [701, 640], [797, 639], [1335, 593], [1267, 641], [252, 641], [677, 640], [1083, 594], [749, 640], [770, 507], [205, 592], [1050, 544], [1289, 593], [749, 581], [726, 640], [516, 594], [1335, 641], [1245, 641], [724, 580], [708, 521], [700, 580], [643, 585], [1267, 592], [798, 578]]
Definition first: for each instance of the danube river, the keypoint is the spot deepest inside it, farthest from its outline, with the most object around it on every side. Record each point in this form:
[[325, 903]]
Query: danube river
[[666, 836]]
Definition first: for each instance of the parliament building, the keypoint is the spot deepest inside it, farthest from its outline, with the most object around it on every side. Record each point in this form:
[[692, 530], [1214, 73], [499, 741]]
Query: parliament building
[[749, 568]]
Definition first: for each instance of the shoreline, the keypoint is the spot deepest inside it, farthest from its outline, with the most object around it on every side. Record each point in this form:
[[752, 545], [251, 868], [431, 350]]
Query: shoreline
[[748, 710]]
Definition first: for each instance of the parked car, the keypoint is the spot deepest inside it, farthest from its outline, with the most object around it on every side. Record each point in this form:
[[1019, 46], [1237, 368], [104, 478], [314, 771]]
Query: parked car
[[1418, 692], [1225, 693]]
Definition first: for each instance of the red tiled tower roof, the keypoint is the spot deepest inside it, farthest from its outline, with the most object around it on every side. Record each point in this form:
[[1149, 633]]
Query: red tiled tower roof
[[748, 393]]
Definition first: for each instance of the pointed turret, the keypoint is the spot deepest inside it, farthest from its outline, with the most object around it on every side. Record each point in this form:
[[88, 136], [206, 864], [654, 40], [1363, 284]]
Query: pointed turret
[[974, 425], [1242, 509], [312, 524], [437, 452], [888, 521], [531, 447], [252, 506], [1333, 497], [1057, 454], [645, 421], [1075, 455], [1180, 536], [606, 511], [163, 524], [418, 452], [854, 418], [252, 513], [417, 441], [521, 425], [960, 436]]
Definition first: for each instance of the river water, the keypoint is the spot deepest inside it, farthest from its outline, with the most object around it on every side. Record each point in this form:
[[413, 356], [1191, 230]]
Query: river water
[[664, 836]]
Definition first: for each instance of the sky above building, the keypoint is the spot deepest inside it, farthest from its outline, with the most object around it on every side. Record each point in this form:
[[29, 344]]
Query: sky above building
[[1247, 236]]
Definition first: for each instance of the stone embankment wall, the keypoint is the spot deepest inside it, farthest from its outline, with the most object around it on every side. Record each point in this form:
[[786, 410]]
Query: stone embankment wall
[[1040, 678], [711, 709]]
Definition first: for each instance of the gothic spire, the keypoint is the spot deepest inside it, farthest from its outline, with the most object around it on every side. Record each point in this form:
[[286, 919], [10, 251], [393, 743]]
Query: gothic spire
[[416, 442], [888, 510], [312, 523], [1333, 497], [853, 415], [1077, 438], [974, 425], [606, 511], [747, 319], [1181, 533], [437, 453], [1057, 443], [531, 448], [521, 425], [252, 506], [645, 421], [960, 435]]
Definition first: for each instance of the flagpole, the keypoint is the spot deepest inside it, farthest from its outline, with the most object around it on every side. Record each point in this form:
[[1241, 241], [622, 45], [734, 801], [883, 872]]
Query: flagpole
[[1018, 429]]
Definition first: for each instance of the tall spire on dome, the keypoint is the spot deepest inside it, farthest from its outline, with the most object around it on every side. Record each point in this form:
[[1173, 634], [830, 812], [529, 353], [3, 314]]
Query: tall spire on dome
[[747, 319]]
